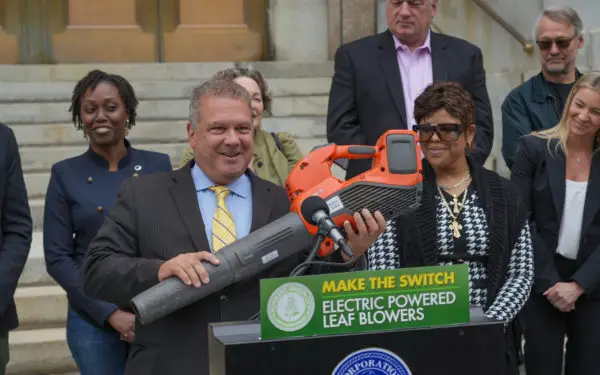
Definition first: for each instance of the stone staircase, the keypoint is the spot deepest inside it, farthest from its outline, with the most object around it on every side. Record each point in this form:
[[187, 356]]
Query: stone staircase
[[34, 102]]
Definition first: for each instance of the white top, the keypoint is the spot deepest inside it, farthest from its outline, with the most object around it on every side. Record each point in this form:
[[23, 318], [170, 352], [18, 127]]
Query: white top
[[570, 228]]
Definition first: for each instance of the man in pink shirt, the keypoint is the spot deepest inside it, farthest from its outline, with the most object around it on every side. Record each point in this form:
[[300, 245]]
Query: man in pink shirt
[[377, 79]]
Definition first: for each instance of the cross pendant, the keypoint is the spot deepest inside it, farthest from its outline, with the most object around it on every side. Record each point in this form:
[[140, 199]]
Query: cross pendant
[[456, 227], [455, 204]]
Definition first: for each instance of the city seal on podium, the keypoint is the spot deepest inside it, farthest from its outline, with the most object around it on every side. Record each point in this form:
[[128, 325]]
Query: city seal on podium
[[372, 361], [291, 307]]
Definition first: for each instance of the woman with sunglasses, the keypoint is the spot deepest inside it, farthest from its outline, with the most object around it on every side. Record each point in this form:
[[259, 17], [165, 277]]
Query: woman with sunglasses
[[468, 214]]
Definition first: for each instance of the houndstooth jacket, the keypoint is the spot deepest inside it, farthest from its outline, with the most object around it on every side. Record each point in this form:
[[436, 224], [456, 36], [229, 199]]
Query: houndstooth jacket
[[495, 228]]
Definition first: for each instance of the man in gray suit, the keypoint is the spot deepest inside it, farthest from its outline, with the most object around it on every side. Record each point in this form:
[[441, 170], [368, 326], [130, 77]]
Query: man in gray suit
[[162, 223]]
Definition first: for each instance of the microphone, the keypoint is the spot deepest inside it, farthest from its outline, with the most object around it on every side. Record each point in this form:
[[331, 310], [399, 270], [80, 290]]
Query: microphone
[[239, 261], [315, 211]]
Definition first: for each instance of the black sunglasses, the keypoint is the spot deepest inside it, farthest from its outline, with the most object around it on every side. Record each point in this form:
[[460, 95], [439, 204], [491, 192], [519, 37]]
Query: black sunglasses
[[445, 132], [561, 43]]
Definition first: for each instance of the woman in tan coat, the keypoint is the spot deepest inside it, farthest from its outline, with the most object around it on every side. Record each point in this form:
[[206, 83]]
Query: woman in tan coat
[[275, 154]]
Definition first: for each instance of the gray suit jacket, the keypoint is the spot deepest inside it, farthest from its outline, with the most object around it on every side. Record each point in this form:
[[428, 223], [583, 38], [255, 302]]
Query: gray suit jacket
[[155, 219]]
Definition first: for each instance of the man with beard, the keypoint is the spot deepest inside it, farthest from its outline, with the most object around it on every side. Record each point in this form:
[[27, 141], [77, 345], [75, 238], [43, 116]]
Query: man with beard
[[538, 103]]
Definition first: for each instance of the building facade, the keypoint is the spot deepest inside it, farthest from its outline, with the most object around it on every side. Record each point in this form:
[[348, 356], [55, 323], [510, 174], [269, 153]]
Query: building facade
[[107, 31]]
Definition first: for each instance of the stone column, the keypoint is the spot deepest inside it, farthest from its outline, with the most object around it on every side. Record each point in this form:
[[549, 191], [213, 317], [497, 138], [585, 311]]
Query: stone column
[[9, 49], [381, 16], [594, 48], [350, 20], [298, 30], [103, 31], [217, 30]]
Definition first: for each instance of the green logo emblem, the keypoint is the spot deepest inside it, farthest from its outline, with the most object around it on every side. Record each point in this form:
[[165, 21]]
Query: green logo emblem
[[291, 307]]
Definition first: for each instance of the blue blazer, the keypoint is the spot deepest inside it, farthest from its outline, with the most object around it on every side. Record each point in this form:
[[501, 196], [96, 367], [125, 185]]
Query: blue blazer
[[80, 193]]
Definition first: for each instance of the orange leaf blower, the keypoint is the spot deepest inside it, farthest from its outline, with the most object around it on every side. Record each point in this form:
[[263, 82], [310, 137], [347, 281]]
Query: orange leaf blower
[[392, 186]]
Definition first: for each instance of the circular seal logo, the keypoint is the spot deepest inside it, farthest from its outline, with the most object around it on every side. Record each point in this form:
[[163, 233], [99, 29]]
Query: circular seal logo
[[372, 361], [291, 307]]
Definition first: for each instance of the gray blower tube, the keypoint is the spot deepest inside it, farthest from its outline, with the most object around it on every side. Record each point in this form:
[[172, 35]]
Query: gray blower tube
[[240, 260]]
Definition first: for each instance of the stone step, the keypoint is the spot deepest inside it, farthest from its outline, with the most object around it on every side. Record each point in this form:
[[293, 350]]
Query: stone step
[[34, 273], [32, 137], [41, 159], [157, 131], [12, 92], [39, 352], [160, 71], [152, 110], [41, 307]]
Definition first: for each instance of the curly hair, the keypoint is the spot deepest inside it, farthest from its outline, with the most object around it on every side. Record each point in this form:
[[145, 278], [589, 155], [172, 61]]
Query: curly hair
[[449, 96], [91, 81]]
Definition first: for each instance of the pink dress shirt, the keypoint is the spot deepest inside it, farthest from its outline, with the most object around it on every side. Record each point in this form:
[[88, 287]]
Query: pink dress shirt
[[416, 72]]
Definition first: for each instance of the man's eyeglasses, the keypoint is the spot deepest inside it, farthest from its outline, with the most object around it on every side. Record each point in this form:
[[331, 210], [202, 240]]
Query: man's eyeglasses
[[412, 3], [445, 132], [561, 43]]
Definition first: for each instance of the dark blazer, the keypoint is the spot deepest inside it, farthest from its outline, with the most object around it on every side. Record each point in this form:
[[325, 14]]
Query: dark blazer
[[366, 97], [80, 193], [155, 219], [529, 107], [539, 174], [15, 226]]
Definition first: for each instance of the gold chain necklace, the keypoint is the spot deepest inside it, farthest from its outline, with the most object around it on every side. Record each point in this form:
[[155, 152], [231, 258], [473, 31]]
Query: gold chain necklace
[[467, 176], [455, 226]]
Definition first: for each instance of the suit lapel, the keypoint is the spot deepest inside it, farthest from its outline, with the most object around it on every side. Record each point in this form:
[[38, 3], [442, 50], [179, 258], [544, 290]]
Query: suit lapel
[[388, 61], [556, 168], [262, 202], [592, 201], [184, 195], [439, 62]]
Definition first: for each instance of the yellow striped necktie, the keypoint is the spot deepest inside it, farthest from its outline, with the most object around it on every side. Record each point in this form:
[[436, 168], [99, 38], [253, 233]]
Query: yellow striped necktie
[[223, 227]]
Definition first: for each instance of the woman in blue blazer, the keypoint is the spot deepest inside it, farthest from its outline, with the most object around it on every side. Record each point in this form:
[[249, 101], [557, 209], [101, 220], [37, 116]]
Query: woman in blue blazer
[[80, 193]]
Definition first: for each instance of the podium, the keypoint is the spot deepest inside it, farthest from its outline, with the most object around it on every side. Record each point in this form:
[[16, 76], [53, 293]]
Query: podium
[[475, 348]]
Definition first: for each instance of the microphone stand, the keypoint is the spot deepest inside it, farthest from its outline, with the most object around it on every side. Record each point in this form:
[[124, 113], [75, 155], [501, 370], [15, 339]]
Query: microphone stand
[[304, 266]]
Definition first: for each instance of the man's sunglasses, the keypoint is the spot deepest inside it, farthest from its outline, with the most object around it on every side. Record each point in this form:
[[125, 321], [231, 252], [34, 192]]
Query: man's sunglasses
[[445, 132], [561, 43]]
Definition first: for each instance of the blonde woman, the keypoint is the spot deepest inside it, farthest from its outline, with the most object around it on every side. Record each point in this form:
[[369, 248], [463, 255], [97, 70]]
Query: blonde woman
[[275, 154], [557, 172]]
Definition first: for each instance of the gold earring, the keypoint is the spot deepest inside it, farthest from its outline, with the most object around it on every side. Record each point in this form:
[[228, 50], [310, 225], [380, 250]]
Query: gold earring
[[126, 132]]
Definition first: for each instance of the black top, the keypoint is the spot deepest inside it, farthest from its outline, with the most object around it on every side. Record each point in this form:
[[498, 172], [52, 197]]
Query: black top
[[460, 243], [560, 92]]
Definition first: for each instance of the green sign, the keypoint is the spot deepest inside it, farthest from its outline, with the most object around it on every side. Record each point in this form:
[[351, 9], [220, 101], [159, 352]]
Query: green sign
[[352, 302]]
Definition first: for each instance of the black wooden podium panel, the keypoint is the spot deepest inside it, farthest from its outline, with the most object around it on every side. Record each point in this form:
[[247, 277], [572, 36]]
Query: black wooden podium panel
[[476, 348]]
